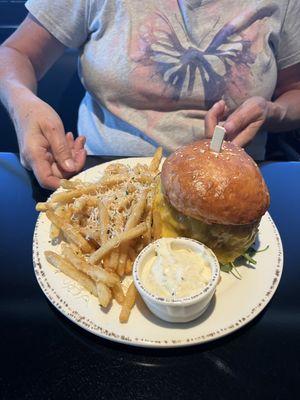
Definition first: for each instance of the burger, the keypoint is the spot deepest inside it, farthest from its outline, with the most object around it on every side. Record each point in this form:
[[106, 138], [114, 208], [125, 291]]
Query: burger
[[215, 198]]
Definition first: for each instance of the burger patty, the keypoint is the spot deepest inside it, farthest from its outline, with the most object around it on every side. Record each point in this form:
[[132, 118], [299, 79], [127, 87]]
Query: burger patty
[[228, 242]]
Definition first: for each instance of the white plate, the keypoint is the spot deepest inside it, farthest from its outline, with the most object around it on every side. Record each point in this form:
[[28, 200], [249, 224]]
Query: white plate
[[235, 304]]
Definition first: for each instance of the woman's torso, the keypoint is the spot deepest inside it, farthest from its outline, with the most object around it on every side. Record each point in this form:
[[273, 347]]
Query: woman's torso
[[153, 69]]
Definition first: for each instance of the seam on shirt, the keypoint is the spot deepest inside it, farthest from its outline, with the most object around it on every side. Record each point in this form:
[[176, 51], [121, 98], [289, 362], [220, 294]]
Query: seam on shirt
[[87, 18], [285, 15], [52, 27], [285, 61]]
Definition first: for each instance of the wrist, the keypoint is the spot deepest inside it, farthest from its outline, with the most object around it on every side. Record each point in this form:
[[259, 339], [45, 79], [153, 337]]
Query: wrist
[[20, 100], [21, 94], [14, 95]]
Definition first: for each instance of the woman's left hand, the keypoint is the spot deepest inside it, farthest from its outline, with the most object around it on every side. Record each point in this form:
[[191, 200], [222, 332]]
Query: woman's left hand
[[244, 123]]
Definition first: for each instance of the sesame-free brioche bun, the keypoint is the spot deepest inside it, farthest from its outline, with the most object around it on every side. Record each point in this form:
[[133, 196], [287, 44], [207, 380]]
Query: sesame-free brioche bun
[[217, 188]]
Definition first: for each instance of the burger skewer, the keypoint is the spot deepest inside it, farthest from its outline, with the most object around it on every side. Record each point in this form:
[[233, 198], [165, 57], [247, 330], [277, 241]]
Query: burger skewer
[[217, 139]]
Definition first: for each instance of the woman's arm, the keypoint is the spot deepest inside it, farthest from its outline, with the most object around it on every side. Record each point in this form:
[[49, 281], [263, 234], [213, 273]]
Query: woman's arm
[[25, 58], [281, 114], [33, 49]]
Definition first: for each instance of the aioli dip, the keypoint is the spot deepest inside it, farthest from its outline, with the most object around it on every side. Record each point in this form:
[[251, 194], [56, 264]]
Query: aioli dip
[[175, 273]]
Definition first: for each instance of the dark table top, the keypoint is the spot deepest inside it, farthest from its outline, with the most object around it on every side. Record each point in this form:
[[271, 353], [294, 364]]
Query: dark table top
[[45, 356]]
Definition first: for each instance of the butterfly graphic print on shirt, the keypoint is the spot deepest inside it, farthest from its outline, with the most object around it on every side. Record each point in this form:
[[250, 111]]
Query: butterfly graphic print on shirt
[[182, 67]]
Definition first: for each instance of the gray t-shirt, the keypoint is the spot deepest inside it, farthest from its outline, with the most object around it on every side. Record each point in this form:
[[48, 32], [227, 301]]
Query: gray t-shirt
[[153, 68]]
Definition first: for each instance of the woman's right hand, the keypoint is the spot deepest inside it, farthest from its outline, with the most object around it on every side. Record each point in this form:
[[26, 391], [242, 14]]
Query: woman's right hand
[[44, 147]]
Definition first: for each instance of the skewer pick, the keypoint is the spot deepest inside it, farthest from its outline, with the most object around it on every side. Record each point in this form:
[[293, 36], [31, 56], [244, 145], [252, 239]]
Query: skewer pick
[[217, 139]]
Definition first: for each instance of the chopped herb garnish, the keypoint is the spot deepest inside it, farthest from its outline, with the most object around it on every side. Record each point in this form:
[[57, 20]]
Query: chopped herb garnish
[[236, 273], [248, 256], [258, 251], [226, 267]]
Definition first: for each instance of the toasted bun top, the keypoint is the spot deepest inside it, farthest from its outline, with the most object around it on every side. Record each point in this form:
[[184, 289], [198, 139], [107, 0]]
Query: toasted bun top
[[223, 188]]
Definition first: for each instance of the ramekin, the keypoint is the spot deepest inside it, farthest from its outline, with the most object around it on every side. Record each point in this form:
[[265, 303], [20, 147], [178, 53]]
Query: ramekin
[[183, 309]]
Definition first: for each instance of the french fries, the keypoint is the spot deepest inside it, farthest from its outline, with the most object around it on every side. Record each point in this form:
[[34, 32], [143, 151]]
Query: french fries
[[54, 232], [104, 184], [68, 269], [116, 241], [129, 265], [66, 184], [104, 294], [103, 227], [69, 232], [134, 219], [128, 303], [137, 212], [41, 207], [97, 273], [103, 221], [118, 293], [155, 162], [122, 259]]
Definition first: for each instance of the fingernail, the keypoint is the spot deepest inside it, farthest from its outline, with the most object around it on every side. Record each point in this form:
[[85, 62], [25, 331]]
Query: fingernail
[[218, 104], [70, 164]]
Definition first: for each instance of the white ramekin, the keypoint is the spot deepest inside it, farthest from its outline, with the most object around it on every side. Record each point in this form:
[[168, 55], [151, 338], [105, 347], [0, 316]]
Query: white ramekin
[[183, 309]]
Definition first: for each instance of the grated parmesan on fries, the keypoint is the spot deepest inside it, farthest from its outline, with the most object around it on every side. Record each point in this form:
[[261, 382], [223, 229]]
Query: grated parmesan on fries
[[104, 225]]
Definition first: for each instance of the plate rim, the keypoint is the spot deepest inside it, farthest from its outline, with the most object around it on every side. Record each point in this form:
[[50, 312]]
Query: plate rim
[[61, 305]]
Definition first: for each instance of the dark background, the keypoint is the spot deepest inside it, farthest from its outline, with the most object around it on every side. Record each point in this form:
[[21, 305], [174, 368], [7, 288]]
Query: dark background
[[62, 89]]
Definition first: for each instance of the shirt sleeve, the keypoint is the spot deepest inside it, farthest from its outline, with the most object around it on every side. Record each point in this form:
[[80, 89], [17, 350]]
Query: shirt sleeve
[[289, 42], [66, 20]]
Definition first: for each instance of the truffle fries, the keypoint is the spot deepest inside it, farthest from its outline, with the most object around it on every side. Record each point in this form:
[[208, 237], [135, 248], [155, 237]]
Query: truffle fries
[[102, 227]]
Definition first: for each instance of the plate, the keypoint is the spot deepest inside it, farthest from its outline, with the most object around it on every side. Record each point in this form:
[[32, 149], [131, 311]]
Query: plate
[[235, 303]]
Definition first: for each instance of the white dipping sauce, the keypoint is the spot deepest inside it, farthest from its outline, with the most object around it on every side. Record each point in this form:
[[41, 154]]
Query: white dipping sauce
[[175, 273]]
